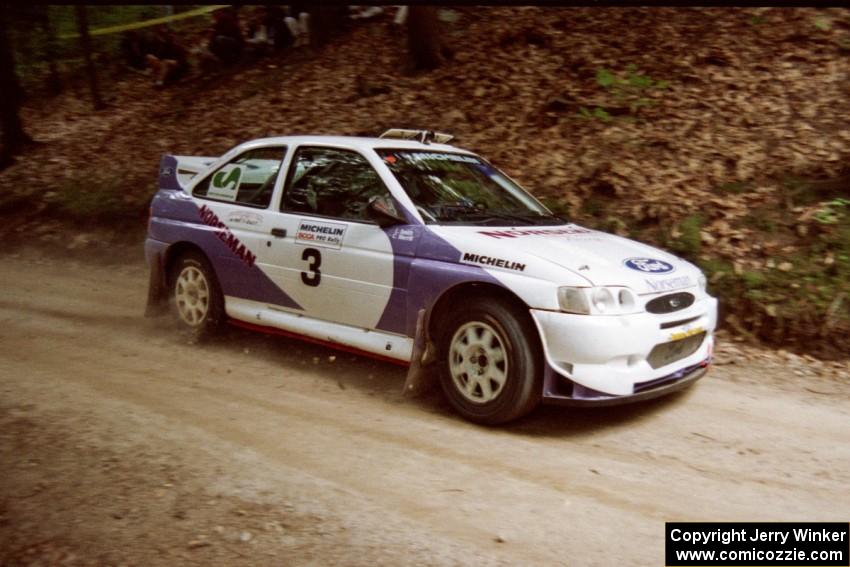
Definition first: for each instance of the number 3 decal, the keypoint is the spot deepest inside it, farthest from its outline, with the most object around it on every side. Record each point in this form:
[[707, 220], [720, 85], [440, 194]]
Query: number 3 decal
[[314, 276]]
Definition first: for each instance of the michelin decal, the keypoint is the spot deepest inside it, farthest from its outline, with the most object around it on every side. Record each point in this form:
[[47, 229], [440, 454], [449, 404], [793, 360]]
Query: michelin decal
[[320, 233], [493, 261]]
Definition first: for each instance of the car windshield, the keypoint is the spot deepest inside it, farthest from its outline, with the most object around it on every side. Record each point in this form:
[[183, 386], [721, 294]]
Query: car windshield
[[450, 188]]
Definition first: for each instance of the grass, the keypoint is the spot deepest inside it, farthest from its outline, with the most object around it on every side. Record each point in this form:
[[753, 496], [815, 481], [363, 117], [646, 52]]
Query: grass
[[89, 199]]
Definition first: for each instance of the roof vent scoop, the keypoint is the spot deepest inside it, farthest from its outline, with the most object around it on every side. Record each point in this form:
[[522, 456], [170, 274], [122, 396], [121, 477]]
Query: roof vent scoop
[[423, 136]]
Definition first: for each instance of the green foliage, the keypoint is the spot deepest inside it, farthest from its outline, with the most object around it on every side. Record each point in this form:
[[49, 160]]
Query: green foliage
[[823, 23], [593, 207], [753, 280], [629, 90], [31, 47], [759, 221], [833, 211], [632, 88], [84, 198], [812, 299], [736, 187], [598, 113], [558, 206], [798, 191], [689, 241]]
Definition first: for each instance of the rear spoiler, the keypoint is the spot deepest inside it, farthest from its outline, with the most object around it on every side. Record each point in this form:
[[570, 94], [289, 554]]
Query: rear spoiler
[[176, 171]]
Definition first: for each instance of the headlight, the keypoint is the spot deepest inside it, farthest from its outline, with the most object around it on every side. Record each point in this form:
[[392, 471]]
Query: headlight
[[596, 300], [574, 300], [603, 300]]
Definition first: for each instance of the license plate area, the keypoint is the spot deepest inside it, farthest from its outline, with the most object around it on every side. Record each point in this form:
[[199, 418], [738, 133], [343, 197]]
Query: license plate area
[[667, 353]]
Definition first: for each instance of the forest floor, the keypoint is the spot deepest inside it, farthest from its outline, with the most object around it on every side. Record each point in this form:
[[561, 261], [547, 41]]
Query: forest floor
[[721, 134]]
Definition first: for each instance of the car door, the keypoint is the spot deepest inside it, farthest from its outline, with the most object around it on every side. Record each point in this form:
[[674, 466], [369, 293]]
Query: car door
[[333, 260], [239, 195]]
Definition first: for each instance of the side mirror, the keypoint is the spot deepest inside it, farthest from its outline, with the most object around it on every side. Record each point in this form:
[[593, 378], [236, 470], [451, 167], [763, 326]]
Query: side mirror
[[383, 212]]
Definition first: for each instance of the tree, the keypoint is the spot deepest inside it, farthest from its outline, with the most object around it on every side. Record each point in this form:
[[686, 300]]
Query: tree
[[326, 21], [54, 81], [423, 38], [85, 43], [12, 138]]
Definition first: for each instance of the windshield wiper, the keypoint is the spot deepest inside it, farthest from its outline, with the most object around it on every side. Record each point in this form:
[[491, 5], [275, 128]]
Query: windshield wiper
[[485, 216], [550, 216]]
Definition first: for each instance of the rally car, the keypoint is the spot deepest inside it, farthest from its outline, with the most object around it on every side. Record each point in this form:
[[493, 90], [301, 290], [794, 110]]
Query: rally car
[[408, 249]]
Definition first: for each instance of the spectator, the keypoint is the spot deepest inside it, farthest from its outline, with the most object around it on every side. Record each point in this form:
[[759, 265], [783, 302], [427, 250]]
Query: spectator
[[364, 12], [134, 47], [166, 58], [300, 27], [278, 32], [400, 15], [267, 30], [226, 41]]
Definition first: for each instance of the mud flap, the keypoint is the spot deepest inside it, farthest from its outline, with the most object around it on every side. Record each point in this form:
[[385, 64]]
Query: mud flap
[[420, 375], [157, 293]]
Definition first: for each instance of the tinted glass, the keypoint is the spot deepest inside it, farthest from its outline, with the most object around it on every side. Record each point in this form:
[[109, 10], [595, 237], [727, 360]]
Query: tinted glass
[[332, 183], [247, 180], [462, 189]]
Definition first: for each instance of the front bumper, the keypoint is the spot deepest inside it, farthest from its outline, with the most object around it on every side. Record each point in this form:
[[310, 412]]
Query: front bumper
[[613, 359]]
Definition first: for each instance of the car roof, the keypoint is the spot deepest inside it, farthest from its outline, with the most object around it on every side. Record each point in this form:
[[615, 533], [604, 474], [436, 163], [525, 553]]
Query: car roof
[[354, 142]]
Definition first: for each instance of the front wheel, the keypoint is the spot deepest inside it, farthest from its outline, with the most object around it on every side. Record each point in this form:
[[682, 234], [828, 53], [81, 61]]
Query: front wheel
[[196, 298], [489, 357]]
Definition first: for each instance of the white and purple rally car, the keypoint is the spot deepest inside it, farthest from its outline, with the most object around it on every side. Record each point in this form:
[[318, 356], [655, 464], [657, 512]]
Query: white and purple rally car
[[408, 249]]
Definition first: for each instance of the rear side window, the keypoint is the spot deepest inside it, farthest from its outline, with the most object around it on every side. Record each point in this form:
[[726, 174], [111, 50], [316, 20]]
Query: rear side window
[[330, 182], [249, 179]]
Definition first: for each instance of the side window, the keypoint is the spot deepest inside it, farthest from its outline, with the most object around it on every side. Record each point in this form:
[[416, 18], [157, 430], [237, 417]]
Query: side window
[[247, 180], [332, 183]]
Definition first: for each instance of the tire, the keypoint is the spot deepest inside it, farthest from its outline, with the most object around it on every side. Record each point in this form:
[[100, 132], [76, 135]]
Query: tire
[[490, 361], [195, 296]]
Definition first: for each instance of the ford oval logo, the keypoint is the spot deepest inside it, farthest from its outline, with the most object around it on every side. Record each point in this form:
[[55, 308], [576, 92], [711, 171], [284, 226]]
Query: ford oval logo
[[649, 265]]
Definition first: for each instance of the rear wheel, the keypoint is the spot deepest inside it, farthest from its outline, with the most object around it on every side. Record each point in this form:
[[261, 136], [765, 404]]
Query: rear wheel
[[196, 298], [490, 362]]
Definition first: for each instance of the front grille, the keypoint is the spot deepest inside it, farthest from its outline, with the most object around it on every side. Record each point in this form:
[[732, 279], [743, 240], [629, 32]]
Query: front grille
[[671, 302], [671, 324], [667, 353], [664, 380]]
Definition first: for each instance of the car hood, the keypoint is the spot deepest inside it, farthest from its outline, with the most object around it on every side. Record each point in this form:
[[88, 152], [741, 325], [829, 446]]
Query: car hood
[[571, 255]]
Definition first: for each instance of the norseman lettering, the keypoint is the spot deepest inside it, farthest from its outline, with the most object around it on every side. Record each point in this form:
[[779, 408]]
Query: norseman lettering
[[535, 232], [230, 240]]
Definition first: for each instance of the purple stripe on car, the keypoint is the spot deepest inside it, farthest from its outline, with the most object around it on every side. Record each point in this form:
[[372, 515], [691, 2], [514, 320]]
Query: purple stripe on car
[[236, 278], [427, 266]]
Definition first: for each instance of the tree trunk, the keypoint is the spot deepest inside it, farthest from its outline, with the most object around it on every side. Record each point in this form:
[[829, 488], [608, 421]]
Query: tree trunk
[[326, 21], [85, 43], [12, 135], [54, 80], [423, 38]]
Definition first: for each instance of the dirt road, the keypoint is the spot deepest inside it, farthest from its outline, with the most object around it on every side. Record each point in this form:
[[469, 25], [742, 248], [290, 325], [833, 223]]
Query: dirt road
[[123, 444]]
